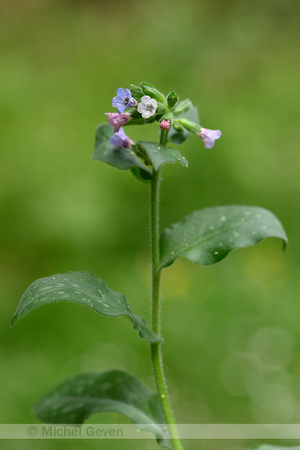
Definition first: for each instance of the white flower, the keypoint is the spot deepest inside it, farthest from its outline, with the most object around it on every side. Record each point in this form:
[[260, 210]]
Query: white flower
[[147, 107]]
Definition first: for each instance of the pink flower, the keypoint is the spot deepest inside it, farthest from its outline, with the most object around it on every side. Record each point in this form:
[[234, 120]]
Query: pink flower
[[165, 124], [209, 136], [118, 120]]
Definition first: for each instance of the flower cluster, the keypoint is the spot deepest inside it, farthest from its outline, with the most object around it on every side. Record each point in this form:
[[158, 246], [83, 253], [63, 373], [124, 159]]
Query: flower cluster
[[123, 100], [148, 102]]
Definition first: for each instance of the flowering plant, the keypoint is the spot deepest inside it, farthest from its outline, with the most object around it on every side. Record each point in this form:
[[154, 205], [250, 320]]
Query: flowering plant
[[205, 237]]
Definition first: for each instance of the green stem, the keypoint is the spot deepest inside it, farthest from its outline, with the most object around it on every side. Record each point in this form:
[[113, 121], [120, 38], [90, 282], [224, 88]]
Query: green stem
[[156, 272]]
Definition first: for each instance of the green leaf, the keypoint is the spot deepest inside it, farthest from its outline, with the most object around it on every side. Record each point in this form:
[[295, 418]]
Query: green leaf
[[178, 136], [76, 399], [122, 158], [141, 175], [271, 447], [84, 288], [159, 155], [208, 235], [183, 107]]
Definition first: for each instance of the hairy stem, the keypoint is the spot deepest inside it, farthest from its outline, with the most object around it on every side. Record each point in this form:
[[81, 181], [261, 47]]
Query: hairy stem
[[156, 353]]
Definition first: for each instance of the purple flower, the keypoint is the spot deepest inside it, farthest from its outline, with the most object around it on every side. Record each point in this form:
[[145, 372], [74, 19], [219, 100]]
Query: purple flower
[[209, 136], [118, 120], [123, 100], [120, 139]]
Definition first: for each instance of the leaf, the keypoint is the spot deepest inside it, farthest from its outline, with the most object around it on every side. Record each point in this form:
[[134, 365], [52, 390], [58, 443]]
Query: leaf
[[84, 288], [182, 107], [272, 447], [141, 175], [178, 137], [76, 399], [159, 155], [208, 235], [121, 158]]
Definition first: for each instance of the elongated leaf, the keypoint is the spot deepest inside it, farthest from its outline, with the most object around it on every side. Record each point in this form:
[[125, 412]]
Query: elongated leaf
[[208, 235], [84, 288], [121, 158], [159, 155], [272, 447], [77, 398], [178, 137]]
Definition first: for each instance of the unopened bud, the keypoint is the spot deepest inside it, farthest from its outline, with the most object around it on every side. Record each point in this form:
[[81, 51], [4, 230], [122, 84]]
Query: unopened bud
[[165, 124], [150, 90]]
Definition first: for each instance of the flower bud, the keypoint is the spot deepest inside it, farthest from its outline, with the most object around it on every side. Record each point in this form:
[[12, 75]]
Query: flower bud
[[150, 90], [172, 99], [136, 92], [165, 124]]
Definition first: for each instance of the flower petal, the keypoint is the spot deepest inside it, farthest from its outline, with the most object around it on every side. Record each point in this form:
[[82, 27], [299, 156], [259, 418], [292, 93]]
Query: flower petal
[[146, 100], [116, 101], [121, 93], [146, 114], [141, 108]]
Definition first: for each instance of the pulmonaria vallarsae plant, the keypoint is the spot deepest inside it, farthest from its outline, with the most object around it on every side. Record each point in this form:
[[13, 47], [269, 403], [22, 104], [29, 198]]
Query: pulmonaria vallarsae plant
[[205, 237]]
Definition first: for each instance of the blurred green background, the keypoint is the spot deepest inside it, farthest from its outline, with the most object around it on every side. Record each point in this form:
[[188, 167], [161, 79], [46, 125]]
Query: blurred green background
[[232, 335]]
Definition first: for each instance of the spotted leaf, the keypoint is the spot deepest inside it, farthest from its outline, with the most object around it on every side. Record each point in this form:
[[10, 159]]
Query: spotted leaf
[[159, 154], [77, 398], [83, 288], [208, 235]]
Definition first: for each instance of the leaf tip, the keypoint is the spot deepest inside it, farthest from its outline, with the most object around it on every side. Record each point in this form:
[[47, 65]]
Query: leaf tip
[[14, 320], [285, 244]]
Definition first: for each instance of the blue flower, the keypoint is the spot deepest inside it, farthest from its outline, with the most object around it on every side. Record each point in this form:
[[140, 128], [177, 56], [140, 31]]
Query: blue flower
[[209, 136], [120, 139], [123, 100]]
